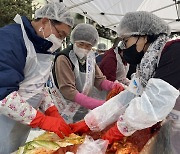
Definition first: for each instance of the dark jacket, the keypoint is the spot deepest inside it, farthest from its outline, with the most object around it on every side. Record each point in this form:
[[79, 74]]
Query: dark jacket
[[169, 65], [13, 54]]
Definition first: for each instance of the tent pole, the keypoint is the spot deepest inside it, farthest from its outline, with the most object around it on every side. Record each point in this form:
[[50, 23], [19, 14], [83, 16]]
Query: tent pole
[[162, 8], [73, 6], [85, 19], [178, 12]]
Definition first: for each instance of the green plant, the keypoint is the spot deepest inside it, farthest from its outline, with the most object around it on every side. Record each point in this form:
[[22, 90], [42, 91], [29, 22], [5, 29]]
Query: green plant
[[9, 8]]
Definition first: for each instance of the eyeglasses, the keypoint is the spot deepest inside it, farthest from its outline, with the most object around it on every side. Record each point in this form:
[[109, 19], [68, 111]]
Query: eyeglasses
[[123, 42], [62, 34]]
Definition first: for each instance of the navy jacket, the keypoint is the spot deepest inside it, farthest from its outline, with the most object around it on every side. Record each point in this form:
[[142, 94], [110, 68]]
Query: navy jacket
[[13, 54]]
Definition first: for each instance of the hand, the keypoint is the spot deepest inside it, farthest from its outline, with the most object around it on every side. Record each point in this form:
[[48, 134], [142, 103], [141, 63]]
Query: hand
[[113, 134], [53, 112], [56, 125], [79, 127], [118, 86], [116, 89]]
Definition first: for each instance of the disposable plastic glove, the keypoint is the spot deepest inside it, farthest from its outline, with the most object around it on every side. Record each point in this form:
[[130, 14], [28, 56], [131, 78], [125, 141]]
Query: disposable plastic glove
[[79, 127], [88, 102], [56, 125], [113, 134]]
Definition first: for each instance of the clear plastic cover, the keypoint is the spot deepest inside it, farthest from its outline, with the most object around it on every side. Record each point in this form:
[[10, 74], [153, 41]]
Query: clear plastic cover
[[91, 146]]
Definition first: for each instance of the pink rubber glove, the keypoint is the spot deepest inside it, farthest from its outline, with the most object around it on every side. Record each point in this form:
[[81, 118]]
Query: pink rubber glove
[[109, 85], [87, 102]]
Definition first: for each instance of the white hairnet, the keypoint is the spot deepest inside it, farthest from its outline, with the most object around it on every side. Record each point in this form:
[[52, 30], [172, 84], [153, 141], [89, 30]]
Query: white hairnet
[[101, 46], [55, 11], [142, 23], [85, 33]]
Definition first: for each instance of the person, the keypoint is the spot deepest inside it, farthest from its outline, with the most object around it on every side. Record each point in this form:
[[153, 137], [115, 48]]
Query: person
[[75, 75], [101, 49], [113, 66], [153, 91], [26, 57]]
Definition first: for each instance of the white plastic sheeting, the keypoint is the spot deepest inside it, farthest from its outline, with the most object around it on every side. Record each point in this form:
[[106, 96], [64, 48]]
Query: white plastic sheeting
[[109, 12]]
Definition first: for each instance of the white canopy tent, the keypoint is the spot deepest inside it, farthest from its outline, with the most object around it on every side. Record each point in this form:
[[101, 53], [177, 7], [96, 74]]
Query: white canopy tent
[[109, 12]]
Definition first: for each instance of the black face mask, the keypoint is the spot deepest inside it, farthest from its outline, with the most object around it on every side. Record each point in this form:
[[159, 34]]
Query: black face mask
[[132, 56]]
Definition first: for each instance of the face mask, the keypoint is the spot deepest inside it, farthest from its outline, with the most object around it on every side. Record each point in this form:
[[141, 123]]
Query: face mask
[[52, 38], [56, 42], [132, 56], [80, 52]]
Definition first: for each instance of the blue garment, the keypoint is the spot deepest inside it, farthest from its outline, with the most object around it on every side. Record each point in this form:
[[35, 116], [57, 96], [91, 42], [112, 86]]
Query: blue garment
[[13, 54], [99, 58]]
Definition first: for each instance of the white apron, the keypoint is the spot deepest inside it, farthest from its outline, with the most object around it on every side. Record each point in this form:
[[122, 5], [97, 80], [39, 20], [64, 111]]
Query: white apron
[[72, 111], [121, 70], [12, 133]]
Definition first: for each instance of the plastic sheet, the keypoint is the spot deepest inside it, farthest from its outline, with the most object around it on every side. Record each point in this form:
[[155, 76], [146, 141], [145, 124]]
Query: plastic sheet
[[91, 146], [155, 103], [106, 114]]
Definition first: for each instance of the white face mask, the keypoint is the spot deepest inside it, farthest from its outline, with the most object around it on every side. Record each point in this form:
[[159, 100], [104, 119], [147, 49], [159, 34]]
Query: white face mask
[[56, 42], [52, 38], [80, 52]]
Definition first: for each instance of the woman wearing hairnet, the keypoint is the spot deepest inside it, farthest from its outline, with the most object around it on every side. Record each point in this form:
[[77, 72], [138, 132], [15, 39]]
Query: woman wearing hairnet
[[26, 58], [76, 73], [114, 67], [153, 90]]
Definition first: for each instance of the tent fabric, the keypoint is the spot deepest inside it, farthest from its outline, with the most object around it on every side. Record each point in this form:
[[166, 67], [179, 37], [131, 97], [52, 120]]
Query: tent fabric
[[109, 12]]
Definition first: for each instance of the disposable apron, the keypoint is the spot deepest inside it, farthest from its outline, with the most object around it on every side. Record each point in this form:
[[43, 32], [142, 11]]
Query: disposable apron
[[167, 140], [12, 133], [121, 70], [72, 111]]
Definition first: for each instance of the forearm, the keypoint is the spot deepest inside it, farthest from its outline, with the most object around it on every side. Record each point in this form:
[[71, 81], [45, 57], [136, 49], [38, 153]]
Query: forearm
[[108, 113], [107, 85], [155, 103], [47, 101], [14, 107], [88, 102]]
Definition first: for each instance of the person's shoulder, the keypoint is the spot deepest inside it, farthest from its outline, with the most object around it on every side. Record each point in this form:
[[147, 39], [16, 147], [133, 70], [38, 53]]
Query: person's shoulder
[[63, 55], [110, 53], [170, 44], [12, 40], [12, 29], [65, 51], [172, 48]]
